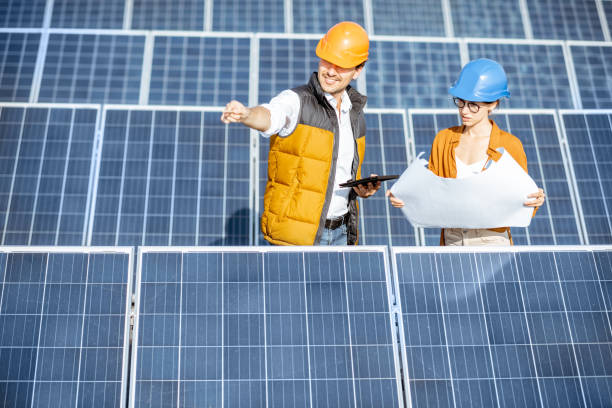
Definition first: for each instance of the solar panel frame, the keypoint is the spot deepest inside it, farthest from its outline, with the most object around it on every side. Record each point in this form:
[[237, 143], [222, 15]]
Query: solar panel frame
[[259, 250], [563, 152], [572, 168], [101, 250], [50, 107], [475, 251]]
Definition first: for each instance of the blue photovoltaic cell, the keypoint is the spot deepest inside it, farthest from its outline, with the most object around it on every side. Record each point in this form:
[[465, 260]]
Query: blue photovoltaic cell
[[18, 52], [506, 329], [284, 64], [411, 74], [199, 71], [567, 20], [556, 221], [22, 14], [45, 157], [408, 17], [537, 76], [169, 15], [607, 6], [320, 18], [386, 153], [172, 178], [92, 68], [271, 329], [87, 14], [259, 16], [594, 75], [62, 329], [588, 137], [486, 18]]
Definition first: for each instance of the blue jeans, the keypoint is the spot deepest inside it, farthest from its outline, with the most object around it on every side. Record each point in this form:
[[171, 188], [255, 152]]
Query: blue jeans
[[334, 237]]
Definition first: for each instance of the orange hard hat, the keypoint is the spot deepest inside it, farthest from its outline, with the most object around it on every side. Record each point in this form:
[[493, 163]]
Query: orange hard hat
[[346, 45]]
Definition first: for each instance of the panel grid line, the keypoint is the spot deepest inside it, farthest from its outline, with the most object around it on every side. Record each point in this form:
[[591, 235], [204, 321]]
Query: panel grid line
[[64, 178], [40, 327], [76, 399]]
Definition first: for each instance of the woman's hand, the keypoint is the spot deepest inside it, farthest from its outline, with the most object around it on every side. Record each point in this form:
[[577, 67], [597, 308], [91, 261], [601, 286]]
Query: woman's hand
[[396, 202], [538, 199]]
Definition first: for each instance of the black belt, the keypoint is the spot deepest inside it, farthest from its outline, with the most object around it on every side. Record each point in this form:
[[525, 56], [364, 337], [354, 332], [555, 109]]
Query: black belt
[[336, 222]]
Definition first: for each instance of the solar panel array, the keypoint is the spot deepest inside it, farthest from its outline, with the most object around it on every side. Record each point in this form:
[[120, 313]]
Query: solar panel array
[[274, 327], [64, 326]]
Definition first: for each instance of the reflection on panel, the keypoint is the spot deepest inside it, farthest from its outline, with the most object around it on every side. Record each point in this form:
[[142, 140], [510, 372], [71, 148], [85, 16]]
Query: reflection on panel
[[259, 16], [199, 71], [92, 68], [63, 329], [172, 178], [408, 17], [277, 329], [411, 74], [594, 75], [320, 18], [588, 138], [537, 76], [505, 329], [386, 153], [556, 222], [486, 18], [22, 14], [18, 53], [284, 64], [569, 20], [169, 15], [46, 157], [88, 13]]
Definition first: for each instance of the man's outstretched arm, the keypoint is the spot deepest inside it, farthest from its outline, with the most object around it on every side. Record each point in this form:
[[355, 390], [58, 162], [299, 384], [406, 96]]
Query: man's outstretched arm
[[257, 118]]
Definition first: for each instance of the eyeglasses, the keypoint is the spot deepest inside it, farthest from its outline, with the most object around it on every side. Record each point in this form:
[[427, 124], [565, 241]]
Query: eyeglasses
[[472, 106]]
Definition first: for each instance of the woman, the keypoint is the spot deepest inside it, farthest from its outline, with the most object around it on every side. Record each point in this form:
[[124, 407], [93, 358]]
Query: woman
[[463, 151]]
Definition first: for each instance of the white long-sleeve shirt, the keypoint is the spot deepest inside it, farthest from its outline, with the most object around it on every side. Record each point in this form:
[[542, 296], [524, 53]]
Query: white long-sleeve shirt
[[284, 111]]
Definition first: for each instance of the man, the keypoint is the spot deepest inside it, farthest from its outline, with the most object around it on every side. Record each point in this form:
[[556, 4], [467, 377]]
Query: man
[[317, 141]]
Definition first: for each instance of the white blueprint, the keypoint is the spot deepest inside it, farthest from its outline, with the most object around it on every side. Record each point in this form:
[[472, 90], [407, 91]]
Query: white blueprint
[[492, 198]]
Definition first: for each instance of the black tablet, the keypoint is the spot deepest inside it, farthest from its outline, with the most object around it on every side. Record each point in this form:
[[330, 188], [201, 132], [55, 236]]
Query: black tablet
[[373, 180]]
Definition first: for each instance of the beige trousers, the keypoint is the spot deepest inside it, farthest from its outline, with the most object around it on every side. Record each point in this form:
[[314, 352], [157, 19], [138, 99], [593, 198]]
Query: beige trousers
[[475, 237]]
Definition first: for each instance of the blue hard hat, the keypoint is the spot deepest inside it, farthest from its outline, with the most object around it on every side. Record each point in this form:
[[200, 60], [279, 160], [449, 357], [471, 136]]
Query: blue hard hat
[[481, 80]]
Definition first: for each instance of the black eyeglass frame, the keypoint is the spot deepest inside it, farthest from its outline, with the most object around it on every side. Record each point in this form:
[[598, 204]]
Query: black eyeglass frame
[[460, 103]]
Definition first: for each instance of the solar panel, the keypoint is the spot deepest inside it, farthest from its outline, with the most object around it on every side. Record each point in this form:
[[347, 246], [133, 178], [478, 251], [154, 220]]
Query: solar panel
[[403, 74], [411, 17], [594, 76], [172, 177], [588, 139], [387, 152], [482, 18], [319, 19], [92, 68], [284, 64], [607, 7], [570, 20], [63, 326], [199, 70], [259, 16], [511, 328], [46, 156], [19, 13], [556, 222], [18, 53], [264, 327], [537, 76], [87, 14], [169, 14]]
